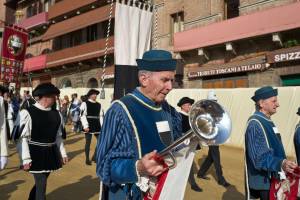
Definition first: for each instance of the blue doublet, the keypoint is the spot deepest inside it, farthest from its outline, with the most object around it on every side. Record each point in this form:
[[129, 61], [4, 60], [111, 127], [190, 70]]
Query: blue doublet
[[145, 117], [297, 143], [264, 152], [129, 131]]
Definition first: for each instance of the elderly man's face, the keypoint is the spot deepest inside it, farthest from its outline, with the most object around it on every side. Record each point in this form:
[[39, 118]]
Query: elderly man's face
[[157, 85], [269, 106]]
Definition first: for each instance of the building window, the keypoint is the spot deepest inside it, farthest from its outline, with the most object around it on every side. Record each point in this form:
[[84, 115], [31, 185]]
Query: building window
[[32, 10], [92, 33], [76, 38], [66, 83], [231, 8], [92, 83], [46, 51], [29, 55], [177, 21], [46, 5]]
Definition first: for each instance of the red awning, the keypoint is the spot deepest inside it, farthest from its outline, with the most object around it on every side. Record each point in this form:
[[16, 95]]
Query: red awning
[[36, 20], [260, 23], [78, 22], [35, 63]]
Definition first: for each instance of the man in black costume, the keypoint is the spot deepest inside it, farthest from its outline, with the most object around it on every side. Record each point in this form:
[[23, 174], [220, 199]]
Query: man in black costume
[[90, 119]]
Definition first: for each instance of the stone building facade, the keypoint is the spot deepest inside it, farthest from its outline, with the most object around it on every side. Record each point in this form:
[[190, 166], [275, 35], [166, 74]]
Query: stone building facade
[[223, 44]]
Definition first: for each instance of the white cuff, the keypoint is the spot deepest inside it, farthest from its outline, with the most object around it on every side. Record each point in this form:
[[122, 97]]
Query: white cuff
[[143, 181]]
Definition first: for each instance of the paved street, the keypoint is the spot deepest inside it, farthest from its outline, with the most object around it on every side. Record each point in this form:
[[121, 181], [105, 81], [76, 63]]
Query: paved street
[[78, 181]]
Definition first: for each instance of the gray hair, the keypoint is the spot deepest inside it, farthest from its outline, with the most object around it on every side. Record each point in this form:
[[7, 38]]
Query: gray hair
[[144, 72]]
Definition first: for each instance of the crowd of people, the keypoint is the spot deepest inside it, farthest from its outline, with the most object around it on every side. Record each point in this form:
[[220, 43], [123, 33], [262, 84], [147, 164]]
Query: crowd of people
[[135, 129]]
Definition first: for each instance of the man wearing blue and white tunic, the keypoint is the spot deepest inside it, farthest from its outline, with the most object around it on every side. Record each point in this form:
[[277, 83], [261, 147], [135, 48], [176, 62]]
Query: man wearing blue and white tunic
[[265, 155], [138, 126], [297, 139]]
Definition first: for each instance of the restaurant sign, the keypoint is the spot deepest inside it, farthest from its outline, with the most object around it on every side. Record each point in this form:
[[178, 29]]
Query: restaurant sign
[[227, 70], [284, 55]]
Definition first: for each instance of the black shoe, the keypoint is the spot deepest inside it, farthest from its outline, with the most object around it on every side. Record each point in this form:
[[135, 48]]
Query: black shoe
[[224, 184], [203, 177], [93, 159], [87, 162], [196, 188]]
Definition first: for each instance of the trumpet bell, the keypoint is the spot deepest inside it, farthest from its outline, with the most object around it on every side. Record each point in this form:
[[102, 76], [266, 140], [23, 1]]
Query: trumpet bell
[[210, 122]]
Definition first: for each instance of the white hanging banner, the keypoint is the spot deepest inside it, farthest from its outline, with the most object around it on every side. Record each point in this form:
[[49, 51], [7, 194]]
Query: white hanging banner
[[132, 32]]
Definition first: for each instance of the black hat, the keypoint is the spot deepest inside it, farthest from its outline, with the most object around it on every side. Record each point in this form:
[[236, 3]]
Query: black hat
[[45, 89], [92, 91], [185, 100], [156, 61], [3, 89], [264, 93], [298, 113]]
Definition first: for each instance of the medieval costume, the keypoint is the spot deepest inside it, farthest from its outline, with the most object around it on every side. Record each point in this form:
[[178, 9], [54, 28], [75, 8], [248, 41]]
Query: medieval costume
[[131, 136], [90, 119], [74, 110], [263, 150], [213, 156], [134, 126], [3, 133], [38, 132], [297, 139]]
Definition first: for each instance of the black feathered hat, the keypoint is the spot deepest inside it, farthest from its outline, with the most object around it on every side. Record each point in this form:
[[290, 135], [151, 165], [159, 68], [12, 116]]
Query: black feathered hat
[[185, 100], [92, 91], [45, 89]]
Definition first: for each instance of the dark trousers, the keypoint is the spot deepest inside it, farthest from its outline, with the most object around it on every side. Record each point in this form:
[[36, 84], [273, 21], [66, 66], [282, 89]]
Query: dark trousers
[[261, 194], [192, 180], [212, 157], [38, 192], [88, 139]]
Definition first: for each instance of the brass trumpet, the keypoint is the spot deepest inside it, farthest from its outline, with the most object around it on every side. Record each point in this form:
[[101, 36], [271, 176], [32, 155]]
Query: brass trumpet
[[210, 123]]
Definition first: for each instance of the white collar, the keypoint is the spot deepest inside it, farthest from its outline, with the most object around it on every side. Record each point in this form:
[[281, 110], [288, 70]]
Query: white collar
[[90, 100], [184, 113], [39, 106]]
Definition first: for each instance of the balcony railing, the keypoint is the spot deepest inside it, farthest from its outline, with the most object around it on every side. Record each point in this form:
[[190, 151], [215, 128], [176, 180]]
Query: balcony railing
[[34, 63], [78, 53], [36, 20], [66, 6]]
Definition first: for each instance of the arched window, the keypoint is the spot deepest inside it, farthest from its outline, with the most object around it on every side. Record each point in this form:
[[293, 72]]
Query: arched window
[[66, 83], [29, 55], [46, 51], [92, 83]]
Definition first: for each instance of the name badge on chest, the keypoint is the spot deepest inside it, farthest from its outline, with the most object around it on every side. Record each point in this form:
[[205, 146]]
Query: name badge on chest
[[164, 132], [275, 129]]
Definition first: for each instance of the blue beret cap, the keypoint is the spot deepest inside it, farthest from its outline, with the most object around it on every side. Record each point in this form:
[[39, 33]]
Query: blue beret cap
[[264, 93], [156, 60]]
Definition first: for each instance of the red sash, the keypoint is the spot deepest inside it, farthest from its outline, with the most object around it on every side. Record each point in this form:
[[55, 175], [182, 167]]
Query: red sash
[[160, 181], [285, 189]]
